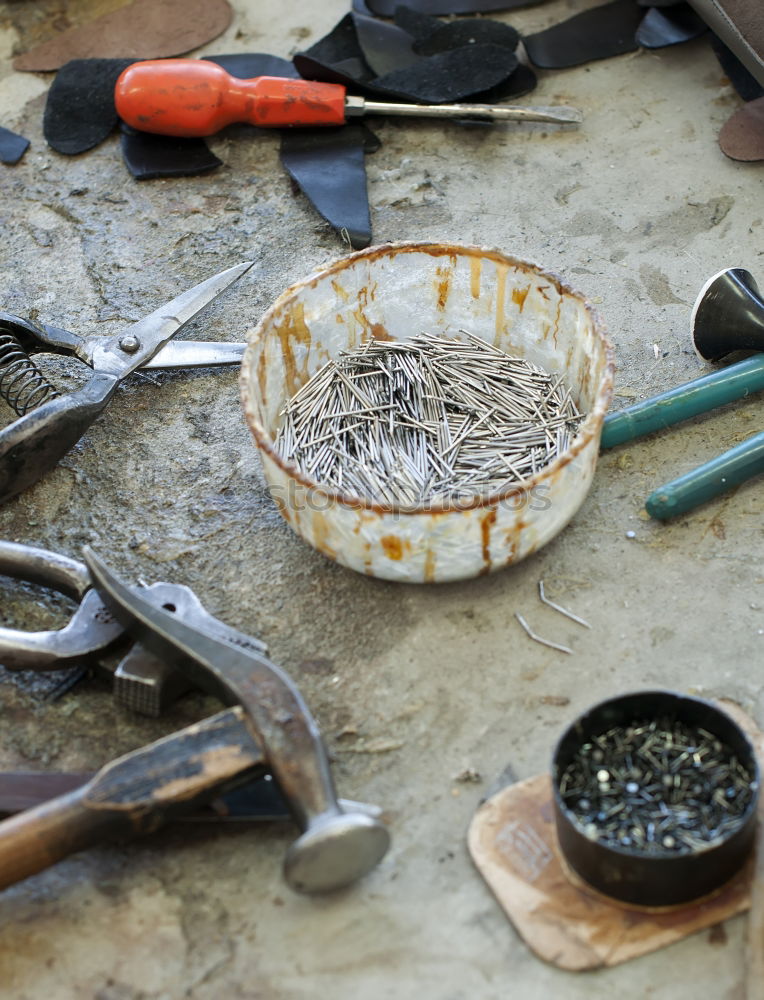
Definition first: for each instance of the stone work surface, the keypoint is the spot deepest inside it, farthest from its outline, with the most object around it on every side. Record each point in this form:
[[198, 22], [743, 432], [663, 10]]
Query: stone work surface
[[425, 695]]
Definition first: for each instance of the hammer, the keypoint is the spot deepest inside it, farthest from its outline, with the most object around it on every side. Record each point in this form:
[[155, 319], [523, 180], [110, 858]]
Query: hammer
[[270, 729]]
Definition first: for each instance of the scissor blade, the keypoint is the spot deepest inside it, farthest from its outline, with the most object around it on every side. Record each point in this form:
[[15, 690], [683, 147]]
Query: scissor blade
[[153, 331], [195, 354]]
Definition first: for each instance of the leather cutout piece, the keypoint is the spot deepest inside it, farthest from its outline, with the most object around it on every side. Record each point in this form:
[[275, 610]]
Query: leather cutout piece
[[742, 136], [144, 29], [419, 26], [150, 156], [247, 65], [453, 75], [469, 31], [521, 82], [12, 146], [386, 47], [328, 166], [744, 82], [670, 26], [386, 8], [598, 33], [79, 111], [460, 61], [336, 58]]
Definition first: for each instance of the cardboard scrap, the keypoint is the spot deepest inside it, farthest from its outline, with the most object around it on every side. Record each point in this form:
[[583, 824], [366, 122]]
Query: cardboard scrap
[[143, 29], [513, 843]]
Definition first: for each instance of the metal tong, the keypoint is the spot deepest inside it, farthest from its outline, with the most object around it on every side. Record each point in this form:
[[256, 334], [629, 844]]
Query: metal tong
[[270, 729], [50, 423]]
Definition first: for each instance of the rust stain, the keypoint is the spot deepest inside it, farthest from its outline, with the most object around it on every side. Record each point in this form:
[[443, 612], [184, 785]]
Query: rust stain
[[443, 285], [367, 567], [341, 293], [339, 318], [519, 295], [379, 332], [429, 566], [510, 541], [486, 522], [394, 547], [501, 291], [321, 535], [262, 378], [476, 267], [557, 320], [293, 329], [364, 294]]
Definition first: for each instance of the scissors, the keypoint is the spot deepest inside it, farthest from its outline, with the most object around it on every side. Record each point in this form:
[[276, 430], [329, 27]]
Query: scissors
[[51, 423]]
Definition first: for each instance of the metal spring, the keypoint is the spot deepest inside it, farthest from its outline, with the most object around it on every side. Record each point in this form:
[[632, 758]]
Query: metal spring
[[22, 385]]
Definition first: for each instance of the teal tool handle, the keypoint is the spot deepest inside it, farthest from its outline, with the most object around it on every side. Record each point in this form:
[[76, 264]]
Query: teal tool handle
[[709, 480], [688, 400]]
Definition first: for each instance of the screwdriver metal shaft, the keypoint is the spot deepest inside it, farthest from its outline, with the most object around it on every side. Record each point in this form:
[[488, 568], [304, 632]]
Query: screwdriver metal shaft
[[558, 114]]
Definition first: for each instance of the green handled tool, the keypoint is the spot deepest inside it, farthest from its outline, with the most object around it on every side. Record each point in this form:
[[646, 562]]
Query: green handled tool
[[689, 400], [728, 316], [708, 481]]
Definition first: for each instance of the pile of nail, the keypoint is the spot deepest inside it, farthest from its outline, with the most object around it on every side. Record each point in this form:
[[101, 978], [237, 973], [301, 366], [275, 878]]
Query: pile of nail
[[656, 787], [427, 421]]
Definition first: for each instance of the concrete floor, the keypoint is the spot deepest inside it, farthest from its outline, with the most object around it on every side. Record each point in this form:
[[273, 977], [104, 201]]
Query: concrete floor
[[412, 685]]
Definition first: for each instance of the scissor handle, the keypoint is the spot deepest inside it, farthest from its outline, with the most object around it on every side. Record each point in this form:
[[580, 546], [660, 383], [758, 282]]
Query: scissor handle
[[36, 442], [37, 337]]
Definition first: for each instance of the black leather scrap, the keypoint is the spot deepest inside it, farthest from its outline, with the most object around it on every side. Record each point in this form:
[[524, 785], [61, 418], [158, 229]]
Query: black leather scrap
[[436, 8], [12, 146], [328, 165], [419, 26], [79, 111], [466, 32], [452, 75], [673, 25], [599, 33], [247, 65], [429, 61], [744, 82], [336, 58], [150, 156], [386, 47]]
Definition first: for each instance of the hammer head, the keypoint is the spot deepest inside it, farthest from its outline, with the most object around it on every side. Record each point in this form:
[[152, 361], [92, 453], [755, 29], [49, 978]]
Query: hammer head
[[335, 851], [338, 844]]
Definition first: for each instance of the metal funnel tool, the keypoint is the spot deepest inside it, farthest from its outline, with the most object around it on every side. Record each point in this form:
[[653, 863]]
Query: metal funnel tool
[[728, 315]]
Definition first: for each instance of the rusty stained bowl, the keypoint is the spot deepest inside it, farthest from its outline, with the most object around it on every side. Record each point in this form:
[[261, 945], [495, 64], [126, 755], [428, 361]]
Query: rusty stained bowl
[[394, 292]]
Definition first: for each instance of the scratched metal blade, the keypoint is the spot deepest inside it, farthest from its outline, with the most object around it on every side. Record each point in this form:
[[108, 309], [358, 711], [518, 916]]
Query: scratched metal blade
[[195, 354], [153, 331]]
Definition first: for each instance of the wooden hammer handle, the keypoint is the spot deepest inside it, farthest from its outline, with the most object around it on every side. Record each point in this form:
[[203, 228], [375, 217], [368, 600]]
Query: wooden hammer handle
[[134, 794], [35, 839]]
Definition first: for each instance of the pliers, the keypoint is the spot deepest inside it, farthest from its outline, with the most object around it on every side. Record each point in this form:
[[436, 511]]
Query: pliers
[[142, 682], [50, 423], [270, 729]]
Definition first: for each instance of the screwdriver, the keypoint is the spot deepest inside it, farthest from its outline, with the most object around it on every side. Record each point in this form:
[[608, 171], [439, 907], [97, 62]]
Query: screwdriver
[[194, 97]]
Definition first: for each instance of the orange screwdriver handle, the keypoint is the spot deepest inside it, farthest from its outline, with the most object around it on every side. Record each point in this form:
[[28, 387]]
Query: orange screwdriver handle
[[193, 97]]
